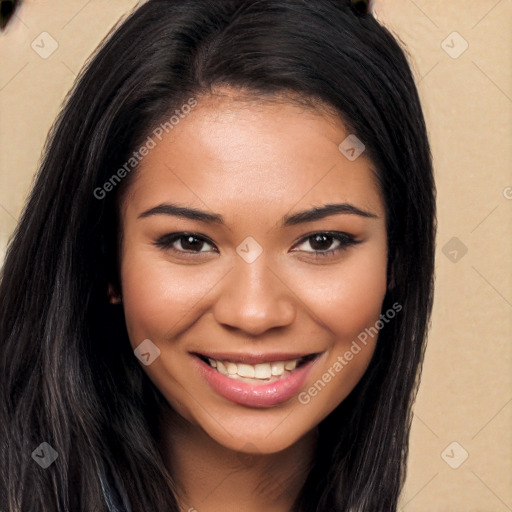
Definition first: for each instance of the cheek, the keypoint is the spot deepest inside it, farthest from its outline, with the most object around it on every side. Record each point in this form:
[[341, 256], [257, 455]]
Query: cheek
[[348, 303], [349, 298], [158, 297]]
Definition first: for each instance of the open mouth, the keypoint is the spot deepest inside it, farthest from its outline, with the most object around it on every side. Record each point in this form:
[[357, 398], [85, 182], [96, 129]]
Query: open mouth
[[255, 380], [265, 372]]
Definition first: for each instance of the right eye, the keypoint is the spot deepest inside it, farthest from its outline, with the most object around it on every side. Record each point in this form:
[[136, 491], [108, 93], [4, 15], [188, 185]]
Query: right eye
[[185, 243]]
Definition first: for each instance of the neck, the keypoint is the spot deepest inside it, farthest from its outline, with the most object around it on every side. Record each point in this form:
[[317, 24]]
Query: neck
[[210, 477]]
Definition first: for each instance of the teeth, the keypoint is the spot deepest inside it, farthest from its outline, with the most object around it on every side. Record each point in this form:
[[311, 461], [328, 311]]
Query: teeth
[[262, 371], [232, 368], [221, 368], [277, 368], [246, 370], [290, 365], [258, 371]]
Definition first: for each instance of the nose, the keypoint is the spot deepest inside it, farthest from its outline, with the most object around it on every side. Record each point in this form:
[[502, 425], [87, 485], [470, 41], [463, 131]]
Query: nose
[[254, 298]]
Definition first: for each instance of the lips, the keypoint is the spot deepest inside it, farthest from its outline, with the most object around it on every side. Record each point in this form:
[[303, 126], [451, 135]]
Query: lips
[[263, 380]]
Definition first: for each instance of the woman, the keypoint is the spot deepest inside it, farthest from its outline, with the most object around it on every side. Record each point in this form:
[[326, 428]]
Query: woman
[[218, 295]]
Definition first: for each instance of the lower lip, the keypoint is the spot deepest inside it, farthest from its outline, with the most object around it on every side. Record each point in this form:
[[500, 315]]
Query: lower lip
[[255, 395]]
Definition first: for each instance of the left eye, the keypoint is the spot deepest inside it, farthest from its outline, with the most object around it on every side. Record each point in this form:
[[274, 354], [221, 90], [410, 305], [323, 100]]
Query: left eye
[[323, 244]]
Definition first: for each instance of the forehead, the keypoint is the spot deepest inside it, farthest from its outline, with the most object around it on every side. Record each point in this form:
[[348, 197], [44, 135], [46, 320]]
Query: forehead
[[231, 151]]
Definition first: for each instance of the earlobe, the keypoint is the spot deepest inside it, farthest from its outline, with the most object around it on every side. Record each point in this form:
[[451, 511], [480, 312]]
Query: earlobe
[[114, 297]]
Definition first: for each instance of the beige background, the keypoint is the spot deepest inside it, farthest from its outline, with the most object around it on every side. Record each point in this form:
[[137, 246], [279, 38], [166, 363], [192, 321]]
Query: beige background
[[466, 391]]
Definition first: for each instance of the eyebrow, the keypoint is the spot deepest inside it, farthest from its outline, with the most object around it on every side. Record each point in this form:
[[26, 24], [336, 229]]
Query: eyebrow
[[310, 215]]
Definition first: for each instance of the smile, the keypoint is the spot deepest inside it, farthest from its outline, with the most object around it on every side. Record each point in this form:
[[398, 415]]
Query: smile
[[261, 371], [261, 381]]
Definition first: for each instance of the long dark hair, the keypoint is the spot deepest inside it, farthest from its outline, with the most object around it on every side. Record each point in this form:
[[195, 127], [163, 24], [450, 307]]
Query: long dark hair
[[68, 375]]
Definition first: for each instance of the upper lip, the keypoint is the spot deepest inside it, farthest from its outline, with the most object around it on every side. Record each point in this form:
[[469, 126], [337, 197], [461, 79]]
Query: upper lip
[[236, 357]]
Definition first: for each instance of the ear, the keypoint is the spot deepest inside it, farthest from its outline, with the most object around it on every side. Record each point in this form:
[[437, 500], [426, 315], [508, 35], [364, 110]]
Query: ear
[[114, 296]]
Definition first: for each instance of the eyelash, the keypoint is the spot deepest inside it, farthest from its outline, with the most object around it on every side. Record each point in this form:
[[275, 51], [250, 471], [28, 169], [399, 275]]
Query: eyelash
[[345, 241]]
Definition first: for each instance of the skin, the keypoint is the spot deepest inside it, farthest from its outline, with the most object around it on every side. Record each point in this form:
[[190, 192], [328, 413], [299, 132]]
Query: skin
[[251, 162]]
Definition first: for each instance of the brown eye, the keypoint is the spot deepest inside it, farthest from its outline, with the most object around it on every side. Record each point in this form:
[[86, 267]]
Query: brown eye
[[191, 243], [321, 242], [327, 243], [185, 243]]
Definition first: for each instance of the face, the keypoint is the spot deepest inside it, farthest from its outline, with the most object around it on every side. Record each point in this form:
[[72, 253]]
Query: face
[[236, 269]]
